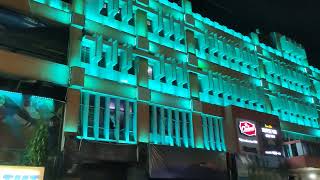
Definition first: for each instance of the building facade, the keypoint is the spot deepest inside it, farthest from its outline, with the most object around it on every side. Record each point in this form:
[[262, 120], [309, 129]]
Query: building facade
[[151, 90]]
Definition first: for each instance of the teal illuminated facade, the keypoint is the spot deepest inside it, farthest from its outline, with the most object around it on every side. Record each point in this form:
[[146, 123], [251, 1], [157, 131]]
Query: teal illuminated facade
[[154, 72]]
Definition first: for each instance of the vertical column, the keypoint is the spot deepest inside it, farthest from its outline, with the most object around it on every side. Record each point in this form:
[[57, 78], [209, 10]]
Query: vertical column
[[194, 85], [78, 6], [96, 116], [141, 23], [191, 133], [169, 112], [127, 121], [85, 114], [142, 72], [223, 145], [205, 138], [134, 119], [162, 126], [217, 133], [190, 41], [141, 30], [177, 128], [212, 135], [154, 122], [107, 119], [143, 122], [72, 111], [117, 126], [185, 129], [74, 50]]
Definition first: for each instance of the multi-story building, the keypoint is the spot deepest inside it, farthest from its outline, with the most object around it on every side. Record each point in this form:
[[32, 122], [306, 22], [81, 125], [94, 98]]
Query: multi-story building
[[147, 89]]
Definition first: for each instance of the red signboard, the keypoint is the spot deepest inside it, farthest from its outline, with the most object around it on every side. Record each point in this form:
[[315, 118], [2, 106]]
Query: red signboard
[[247, 128]]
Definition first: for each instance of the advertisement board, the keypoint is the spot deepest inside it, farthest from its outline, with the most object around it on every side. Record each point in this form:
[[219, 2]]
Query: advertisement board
[[259, 137], [21, 173]]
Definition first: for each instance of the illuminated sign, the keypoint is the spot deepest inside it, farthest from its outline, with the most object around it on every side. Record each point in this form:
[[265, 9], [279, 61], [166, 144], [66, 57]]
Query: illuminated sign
[[247, 128], [21, 173], [269, 132], [248, 141], [276, 153]]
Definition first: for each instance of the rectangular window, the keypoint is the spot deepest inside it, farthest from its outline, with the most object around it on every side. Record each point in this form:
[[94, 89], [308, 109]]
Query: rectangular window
[[213, 136], [85, 54], [105, 118], [171, 127]]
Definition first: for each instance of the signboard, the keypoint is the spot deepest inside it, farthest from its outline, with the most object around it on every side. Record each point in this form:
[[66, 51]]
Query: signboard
[[247, 128], [258, 138], [21, 173], [247, 135], [270, 140]]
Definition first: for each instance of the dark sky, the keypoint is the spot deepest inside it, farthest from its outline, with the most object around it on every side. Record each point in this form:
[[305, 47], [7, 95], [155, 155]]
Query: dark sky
[[299, 20]]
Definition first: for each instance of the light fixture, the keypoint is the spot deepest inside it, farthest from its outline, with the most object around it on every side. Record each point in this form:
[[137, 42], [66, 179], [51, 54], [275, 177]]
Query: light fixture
[[312, 176]]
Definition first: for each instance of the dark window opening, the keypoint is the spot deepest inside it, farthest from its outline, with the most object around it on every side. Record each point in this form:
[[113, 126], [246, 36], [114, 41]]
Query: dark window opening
[[131, 71], [294, 150], [185, 85], [196, 44], [104, 10], [149, 25], [131, 22], [118, 16], [206, 50], [172, 37], [174, 83], [163, 80], [102, 62], [182, 41], [161, 33], [116, 67]]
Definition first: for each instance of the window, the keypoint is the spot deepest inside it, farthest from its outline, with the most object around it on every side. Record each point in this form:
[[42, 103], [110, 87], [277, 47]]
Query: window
[[150, 72], [102, 62], [213, 136], [149, 25], [171, 127], [104, 118], [118, 16], [196, 44], [104, 10], [85, 54]]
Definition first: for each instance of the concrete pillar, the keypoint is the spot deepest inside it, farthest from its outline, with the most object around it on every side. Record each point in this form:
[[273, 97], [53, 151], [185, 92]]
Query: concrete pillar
[[72, 111], [78, 6], [141, 23], [142, 72], [194, 85], [74, 54], [197, 130], [143, 121], [190, 41]]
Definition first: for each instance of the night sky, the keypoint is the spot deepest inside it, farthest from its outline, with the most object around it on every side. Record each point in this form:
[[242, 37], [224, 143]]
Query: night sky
[[299, 20]]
